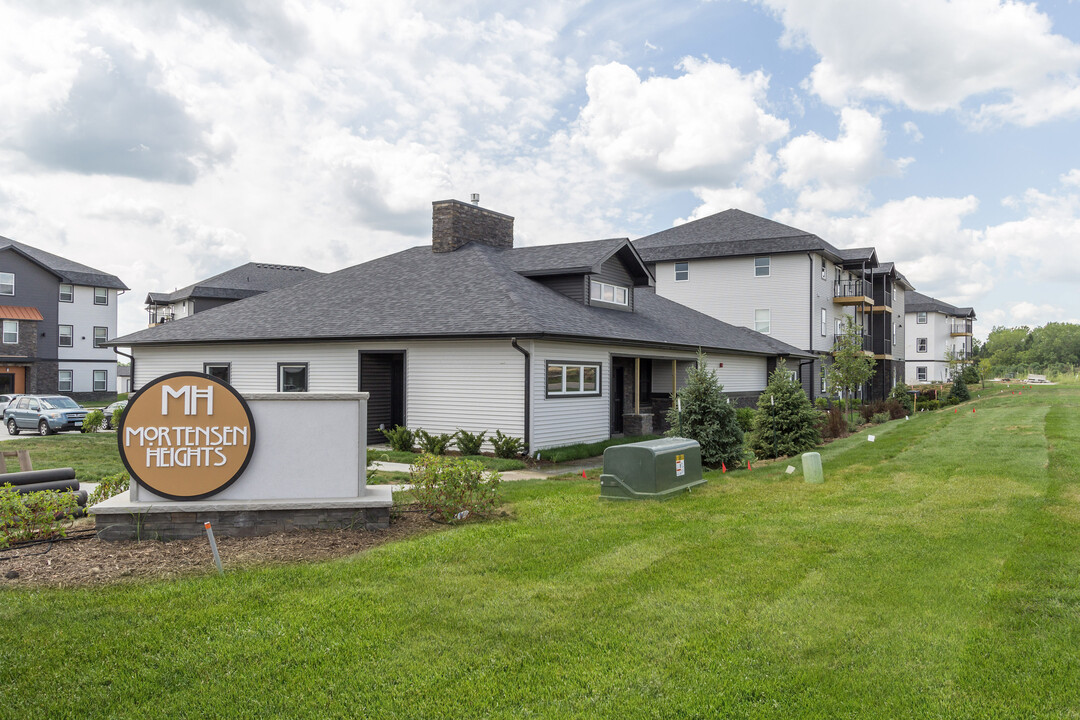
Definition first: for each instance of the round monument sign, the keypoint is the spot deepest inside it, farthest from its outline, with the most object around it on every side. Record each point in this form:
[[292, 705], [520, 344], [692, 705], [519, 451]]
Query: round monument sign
[[186, 436]]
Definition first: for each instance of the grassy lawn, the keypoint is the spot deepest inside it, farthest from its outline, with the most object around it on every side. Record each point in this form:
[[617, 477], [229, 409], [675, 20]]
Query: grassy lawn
[[93, 455], [934, 574], [397, 456]]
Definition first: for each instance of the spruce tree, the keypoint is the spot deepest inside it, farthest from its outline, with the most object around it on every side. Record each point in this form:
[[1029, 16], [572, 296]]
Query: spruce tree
[[707, 417], [785, 422], [960, 389]]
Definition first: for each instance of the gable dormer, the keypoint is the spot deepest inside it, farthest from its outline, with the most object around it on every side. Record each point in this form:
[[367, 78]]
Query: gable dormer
[[601, 273]]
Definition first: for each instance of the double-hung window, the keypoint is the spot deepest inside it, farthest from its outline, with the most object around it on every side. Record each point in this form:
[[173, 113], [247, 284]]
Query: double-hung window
[[101, 296], [101, 379], [824, 323], [824, 272], [920, 345], [64, 381], [606, 292], [682, 271], [920, 374], [11, 332], [920, 317], [65, 336], [761, 267], [292, 377], [763, 321], [7, 283], [67, 292], [101, 334], [573, 379]]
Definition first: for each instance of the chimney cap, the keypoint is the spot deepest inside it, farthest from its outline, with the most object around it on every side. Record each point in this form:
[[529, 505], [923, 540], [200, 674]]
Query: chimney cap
[[475, 198]]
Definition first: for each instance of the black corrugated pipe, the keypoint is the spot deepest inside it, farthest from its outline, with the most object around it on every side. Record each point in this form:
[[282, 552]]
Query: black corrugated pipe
[[528, 359], [132, 359]]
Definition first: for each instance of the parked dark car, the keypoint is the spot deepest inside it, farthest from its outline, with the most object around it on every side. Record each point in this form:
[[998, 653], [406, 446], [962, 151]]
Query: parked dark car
[[47, 414], [110, 410]]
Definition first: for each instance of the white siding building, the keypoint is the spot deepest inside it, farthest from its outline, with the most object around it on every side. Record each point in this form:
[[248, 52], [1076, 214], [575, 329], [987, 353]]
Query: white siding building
[[935, 330]]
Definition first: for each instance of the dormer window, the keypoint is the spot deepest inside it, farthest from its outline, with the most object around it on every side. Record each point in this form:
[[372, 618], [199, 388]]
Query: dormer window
[[605, 292]]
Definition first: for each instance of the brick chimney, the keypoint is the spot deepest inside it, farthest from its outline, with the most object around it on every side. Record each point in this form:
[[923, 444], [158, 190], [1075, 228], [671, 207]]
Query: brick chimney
[[454, 224]]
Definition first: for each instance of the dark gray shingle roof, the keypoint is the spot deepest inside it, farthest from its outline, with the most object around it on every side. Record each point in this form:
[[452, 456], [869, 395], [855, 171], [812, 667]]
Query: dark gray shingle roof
[[240, 282], [471, 292], [888, 267], [734, 233], [68, 271], [917, 302]]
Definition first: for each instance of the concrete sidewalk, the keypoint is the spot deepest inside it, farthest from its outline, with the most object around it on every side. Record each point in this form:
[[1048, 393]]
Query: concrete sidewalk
[[575, 468]]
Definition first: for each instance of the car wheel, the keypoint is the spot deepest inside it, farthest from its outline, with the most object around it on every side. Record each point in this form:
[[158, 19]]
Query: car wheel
[[43, 428], [108, 424], [12, 427]]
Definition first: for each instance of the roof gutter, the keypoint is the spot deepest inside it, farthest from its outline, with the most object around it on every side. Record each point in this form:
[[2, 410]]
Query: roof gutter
[[528, 359]]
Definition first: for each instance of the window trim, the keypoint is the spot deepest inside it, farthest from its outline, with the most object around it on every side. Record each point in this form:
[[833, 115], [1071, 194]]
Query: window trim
[[614, 293], [227, 365], [921, 370], [96, 296], [824, 323], [756, 323], [920, 317], [685, 270], [922, 345], [307, 375], [824, 273], [71, 293], [4, 331], [60, 336], [104, 381], [60, 382], [2, 274], [767, 266], [599, 366], [106, 339]]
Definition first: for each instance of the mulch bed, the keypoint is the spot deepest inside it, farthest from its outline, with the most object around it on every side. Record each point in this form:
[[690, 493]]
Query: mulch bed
[[89, 561]]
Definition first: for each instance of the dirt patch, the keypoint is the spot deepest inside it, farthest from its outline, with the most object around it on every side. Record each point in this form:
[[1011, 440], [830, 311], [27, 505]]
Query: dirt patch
[[91, 561]]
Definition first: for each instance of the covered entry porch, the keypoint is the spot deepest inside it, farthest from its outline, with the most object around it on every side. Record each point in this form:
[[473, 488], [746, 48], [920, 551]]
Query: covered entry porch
[[641, 392]]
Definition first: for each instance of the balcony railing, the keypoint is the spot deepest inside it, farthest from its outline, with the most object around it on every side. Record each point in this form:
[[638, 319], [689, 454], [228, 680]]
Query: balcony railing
[[960, 327], [886, 296], [867, 342], [883, 347], [159, 318], [850, 288]]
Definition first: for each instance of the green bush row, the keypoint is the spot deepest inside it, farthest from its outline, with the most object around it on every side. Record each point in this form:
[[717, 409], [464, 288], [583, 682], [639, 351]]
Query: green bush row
[[402, 439]]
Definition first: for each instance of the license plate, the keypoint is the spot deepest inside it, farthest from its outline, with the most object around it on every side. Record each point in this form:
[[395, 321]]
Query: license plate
[[78, 423]]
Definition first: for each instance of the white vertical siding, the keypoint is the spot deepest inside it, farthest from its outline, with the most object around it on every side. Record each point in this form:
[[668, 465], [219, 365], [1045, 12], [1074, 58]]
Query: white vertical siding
[[728, 290]]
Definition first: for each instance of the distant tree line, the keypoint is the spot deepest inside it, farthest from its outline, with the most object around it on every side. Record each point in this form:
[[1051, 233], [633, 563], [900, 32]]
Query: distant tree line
[[1052, 348]]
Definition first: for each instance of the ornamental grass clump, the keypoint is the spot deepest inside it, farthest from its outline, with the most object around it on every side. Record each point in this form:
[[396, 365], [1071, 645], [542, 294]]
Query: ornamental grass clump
[[785, 422], [707, 417], [452, 488]]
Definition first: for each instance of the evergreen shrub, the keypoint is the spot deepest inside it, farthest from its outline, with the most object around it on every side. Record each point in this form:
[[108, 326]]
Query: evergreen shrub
[[470, 443], [400, 438], [785, 422], [707, 417]]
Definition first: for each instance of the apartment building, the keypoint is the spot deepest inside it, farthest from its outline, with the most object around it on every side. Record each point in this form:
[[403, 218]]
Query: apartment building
[[937, 331]]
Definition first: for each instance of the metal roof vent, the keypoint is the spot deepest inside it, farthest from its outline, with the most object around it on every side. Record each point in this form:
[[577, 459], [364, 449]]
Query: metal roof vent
[[476, 198]]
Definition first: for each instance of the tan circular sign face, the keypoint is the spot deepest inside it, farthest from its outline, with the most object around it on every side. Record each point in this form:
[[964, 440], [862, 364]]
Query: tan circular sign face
[[186, 436]]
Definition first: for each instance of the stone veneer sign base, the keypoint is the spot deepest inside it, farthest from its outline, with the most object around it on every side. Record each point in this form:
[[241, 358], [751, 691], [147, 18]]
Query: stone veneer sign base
[[120, 518]]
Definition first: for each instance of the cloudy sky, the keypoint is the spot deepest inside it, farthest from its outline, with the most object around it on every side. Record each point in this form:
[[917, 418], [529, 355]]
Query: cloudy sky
[[165, 142]]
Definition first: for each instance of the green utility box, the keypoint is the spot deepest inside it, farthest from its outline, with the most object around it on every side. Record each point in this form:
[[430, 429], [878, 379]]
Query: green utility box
[[655, 469]]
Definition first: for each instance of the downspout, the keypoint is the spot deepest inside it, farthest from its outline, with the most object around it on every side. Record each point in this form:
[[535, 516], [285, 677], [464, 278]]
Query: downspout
[[528, 358], [132, 359], [810, 255]]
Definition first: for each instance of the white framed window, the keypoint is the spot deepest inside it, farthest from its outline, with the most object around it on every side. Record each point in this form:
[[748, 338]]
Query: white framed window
[[101, 380], [7, 283], [606, 292], [101, 334], [920, 374], [920, 345], [920, 317], [64, 381], [894, 333], [839, 326], [682, 271], [11, 332], [793, 376], [763, 321], [761, 267], [292, 377], [221, 371], [67, 292], [824, 381], [573, 379], [824, 270], [824, 323], [64, 337], [101, 296]]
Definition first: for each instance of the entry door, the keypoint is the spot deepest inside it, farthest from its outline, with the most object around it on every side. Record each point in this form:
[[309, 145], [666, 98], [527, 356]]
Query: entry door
[[618, 387], [7, 383], [382, 375]]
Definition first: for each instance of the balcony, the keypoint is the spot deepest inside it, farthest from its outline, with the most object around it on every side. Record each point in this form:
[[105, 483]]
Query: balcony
[[883, 349], [882, 300], [852, 292], [867, 343], [959, 327], [160, 318]]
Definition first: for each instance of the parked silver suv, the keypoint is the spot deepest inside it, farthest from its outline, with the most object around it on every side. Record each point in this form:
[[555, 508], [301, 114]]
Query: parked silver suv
[[45, 413]]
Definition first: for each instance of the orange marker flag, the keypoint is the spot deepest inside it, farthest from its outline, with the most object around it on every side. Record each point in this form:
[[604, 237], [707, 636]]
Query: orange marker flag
[[972, 411], [723, 468], [748, 465], [583, 473]]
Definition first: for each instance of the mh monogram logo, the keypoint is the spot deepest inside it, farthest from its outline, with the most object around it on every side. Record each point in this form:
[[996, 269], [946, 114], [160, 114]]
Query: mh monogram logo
[[191, 395]]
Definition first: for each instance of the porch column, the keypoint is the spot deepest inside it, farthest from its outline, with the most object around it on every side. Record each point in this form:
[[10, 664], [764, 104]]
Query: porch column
[[674, 377], [637, 386]]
